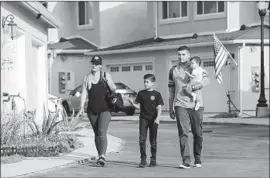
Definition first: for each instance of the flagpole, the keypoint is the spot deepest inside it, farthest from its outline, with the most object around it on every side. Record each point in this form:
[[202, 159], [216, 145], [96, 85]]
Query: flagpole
[[226, 50]]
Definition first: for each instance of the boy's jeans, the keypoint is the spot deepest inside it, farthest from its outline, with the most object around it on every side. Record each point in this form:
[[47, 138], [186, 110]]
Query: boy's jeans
[[143, 128], [184, 116]]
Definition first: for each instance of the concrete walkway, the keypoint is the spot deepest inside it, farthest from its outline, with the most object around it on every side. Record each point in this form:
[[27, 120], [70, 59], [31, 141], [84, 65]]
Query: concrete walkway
[[32, 166], [35, 165]]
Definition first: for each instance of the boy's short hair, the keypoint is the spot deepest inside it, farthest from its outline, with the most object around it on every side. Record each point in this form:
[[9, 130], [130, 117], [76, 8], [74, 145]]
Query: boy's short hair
[[151, 77], [182, 48], [197, 59]]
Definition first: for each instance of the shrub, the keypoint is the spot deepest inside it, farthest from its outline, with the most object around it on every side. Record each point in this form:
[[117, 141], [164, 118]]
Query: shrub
[[72, 123]]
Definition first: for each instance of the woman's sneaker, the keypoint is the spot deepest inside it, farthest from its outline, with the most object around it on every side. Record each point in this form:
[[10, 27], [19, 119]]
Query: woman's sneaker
[[184, 166], [101, 161]]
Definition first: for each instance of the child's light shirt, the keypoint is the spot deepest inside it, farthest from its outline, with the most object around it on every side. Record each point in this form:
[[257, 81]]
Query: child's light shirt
[[198, 73]]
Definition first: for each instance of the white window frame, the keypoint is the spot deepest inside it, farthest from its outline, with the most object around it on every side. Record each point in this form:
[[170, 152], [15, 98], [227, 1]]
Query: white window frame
[[212, 15], [135, 70], [130, 68], [147, 65], [111, 67], [172, 20], [86, 26]]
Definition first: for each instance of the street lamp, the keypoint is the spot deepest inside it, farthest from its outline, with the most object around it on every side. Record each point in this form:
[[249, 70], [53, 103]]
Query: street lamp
[[262, 107], [10, 24]]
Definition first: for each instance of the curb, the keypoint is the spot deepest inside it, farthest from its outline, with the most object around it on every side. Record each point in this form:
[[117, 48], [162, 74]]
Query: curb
[[47, 170], [204, 122], [73, 163]]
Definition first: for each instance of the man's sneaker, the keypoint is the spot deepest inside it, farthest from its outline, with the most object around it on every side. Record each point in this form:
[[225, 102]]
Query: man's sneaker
[[142, 164], [184, 166], [198, 165], [153, 163]]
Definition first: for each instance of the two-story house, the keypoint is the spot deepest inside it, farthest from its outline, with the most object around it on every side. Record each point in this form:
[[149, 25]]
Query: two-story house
[[177, 23]]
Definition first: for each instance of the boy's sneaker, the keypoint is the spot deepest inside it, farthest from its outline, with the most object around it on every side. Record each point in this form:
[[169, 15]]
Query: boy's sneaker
[[198, 165], [143, 164], [153, 163], [184, 166]]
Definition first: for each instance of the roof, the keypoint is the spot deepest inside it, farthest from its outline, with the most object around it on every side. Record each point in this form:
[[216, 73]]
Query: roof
[[38, 9], [72, 44], [244, 33]]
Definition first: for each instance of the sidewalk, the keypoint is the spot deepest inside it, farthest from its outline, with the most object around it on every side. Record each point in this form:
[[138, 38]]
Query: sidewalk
[[36, 165], [33, 166]]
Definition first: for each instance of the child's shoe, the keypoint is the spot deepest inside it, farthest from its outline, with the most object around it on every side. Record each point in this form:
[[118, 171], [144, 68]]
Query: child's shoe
[[197, 106], [143, 164], [153, 163]]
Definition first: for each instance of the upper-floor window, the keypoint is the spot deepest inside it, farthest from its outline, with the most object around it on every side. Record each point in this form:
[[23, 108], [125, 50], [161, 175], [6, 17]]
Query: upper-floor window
[[85, 13], [210, 7], [174, 9]]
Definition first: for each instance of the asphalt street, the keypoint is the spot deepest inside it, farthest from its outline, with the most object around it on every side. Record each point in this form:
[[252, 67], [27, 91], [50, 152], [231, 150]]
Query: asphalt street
[[228, 151]]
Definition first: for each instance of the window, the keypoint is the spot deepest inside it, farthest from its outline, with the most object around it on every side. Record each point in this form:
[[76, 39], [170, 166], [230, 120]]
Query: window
[[114, 69], [137, 68], [208, 63], [212, 63], [85, 13], [148, 67], [174, 9], [125, 68], [210, 7]]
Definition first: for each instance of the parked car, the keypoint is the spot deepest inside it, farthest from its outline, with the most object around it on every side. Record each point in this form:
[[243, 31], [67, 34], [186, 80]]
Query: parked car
[[74, 99]]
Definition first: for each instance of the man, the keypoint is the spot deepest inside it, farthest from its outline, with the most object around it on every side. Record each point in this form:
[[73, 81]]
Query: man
[[182, 106]]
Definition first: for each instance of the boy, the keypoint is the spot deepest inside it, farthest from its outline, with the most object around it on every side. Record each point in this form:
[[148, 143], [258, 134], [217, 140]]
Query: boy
[[149, 102], [196, 77]]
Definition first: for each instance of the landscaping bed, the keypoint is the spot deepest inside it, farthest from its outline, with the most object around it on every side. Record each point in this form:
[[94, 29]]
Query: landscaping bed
[[45, 141]]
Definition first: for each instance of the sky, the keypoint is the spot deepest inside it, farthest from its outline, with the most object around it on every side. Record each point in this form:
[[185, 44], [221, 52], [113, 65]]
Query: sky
[[106, 5]]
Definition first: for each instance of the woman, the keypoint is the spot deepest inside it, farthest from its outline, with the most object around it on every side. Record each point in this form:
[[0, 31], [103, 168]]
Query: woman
[[94, 85]]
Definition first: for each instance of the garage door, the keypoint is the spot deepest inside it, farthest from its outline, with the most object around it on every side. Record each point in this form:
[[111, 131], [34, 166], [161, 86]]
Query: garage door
[[214, 94], [131, 74]]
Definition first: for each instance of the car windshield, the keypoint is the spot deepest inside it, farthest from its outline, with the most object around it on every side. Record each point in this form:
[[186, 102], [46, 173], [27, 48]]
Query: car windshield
[[79, 89], [121, 86]]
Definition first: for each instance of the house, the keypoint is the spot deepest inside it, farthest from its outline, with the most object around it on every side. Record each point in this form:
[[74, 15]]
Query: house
[[123, 23], [192, 23], [24, 56]]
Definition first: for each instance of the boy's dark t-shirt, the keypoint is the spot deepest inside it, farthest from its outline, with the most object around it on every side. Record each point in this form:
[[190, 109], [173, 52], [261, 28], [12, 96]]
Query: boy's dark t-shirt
[[149, 100]]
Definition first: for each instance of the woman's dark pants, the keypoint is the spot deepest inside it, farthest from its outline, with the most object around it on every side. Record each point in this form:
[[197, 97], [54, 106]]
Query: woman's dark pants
[[100, 123]]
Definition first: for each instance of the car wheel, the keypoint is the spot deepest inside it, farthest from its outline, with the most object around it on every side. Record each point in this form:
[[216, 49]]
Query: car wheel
[[130, 112], [66, 107]]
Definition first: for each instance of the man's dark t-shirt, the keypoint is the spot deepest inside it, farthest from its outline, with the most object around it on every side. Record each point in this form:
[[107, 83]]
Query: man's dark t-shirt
[[149, 100]]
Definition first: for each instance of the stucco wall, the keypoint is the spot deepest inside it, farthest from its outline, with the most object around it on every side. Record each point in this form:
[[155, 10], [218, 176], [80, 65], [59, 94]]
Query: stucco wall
[[249, 13], [250, 56], [68, 14], [125, 23]]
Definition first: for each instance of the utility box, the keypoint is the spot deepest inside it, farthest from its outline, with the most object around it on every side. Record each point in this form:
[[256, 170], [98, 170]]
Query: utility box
[[62, 82]]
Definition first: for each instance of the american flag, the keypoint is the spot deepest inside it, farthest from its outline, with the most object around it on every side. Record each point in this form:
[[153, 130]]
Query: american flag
[[221, 56]]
